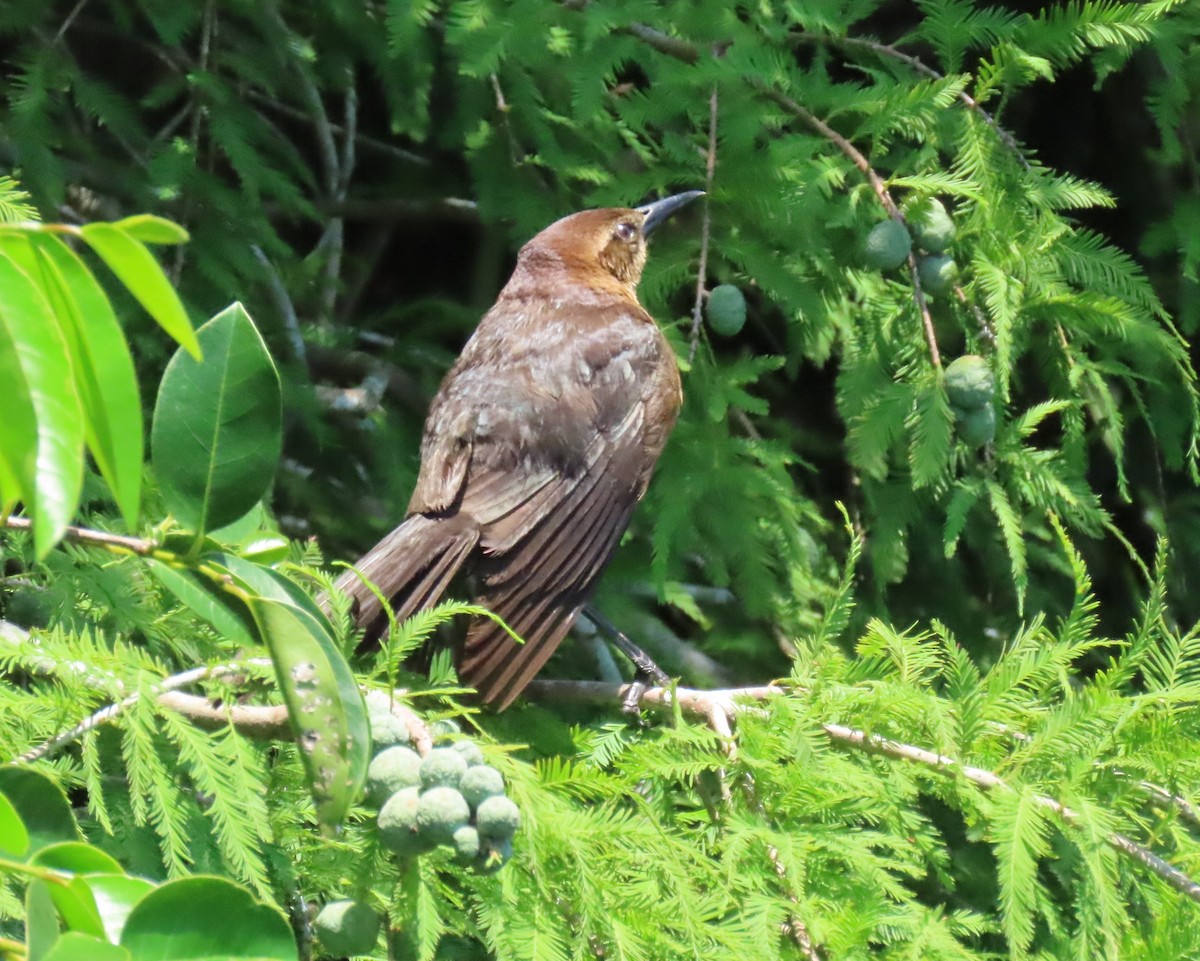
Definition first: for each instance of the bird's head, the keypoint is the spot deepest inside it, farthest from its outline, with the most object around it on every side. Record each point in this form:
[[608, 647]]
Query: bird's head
[[601, 246]]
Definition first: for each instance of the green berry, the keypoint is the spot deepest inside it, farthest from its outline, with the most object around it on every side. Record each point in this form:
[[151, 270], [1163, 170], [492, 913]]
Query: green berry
[[497, 817], [387, 730], [444, 728], [392, 770], [470, 752], [466, 843], [493, 856], [440, 812], [347, 928], [976, 427], [933, 228], [442, 766], [398, 823], [938, 273], [969, 382], [480, 783], [726, 310], [887, 246]]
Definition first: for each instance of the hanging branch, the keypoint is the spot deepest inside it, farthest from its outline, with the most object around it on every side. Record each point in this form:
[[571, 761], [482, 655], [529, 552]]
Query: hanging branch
[[705, 227], [921, 67], [860, 161]]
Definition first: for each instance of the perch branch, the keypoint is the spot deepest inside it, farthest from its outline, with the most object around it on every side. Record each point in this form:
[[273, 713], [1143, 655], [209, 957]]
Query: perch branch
[[702, 703]]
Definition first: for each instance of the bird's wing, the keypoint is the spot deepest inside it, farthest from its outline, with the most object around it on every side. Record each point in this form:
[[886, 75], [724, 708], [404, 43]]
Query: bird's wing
[[543, 438], [543, 555]]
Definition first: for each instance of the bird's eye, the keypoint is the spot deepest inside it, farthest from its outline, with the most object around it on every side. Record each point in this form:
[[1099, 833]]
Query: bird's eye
[[627, 231]]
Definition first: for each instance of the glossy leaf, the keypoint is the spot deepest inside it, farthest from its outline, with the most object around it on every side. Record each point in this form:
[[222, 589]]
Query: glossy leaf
[[35, 369], [41, 921], [104, 374], [14, 839], [42, 807], [115, 896], [216, 435], [206, 918], [324, 704], [75, 900], [77, 907], [150, 229], [137, 269], [265, 582], [75, 857], [74, 946], [206, 601]]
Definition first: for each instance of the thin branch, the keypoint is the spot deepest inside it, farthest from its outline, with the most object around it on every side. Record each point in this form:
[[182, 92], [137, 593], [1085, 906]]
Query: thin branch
[[266, 722], [83, 535], [447, 209], [362, 139], [706, 226], [860, 161], [921, 67], [184, 703], [283, 304], [732, 702], [66, 24]]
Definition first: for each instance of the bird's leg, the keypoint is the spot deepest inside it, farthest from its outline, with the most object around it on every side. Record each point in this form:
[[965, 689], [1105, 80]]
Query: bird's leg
[[646, 668]]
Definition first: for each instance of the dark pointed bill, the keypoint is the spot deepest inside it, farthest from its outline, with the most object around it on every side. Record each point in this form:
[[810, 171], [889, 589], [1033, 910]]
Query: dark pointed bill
[[660, 210]]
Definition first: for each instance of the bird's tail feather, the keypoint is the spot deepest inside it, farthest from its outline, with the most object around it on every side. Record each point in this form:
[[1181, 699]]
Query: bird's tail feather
[[411, 567]]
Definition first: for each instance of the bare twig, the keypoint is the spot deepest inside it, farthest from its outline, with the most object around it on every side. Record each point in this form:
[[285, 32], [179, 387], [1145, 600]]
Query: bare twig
[[362, 139], [283, 304], [70, 19], [706, 226], [732, 702], [83, 535], [268, 722]]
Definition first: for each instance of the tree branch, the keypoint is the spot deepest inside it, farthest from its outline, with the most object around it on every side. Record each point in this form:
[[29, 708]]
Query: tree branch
[[83, 535], [732, 702]]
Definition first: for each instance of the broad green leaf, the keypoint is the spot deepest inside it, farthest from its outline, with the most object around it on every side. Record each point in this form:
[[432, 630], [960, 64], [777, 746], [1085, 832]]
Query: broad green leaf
[[267, 583], [41, 921], [35, 370], [137, 269], [74, 946], [14, 839], [104, 373], [115, 896], [324, 705], [216, 435], [75, 857], [75, 900], [77, 907], [150, 229], [206, 918], [205, 600], [41, 805]]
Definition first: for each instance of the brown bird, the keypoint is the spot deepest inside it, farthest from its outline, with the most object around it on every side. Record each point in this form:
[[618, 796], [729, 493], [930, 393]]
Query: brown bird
[[538, 446]]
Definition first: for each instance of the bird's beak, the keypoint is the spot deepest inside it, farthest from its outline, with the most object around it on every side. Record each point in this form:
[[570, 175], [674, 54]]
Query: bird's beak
[[660, 210]]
